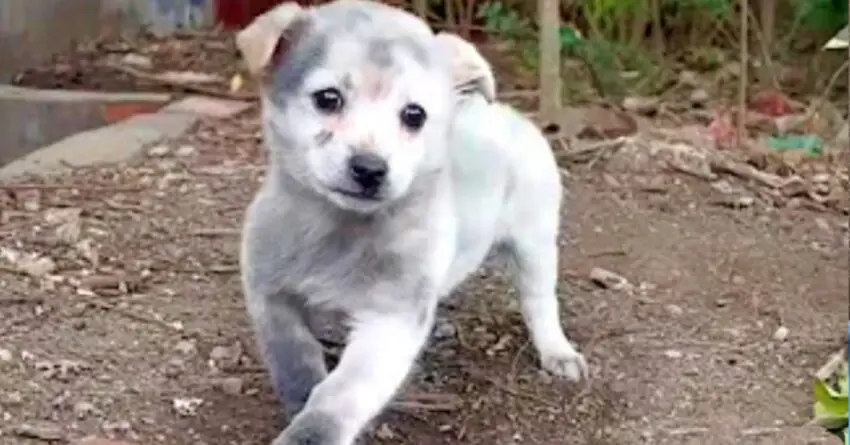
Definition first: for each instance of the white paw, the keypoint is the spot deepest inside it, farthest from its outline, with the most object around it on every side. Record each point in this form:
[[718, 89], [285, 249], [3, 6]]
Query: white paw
[[566, 362]]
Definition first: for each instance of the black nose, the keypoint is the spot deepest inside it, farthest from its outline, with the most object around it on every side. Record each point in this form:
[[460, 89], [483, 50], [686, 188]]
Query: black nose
[[368, 170]]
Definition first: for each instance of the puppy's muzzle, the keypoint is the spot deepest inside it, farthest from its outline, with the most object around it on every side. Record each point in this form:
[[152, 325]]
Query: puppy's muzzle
[[369, 171]]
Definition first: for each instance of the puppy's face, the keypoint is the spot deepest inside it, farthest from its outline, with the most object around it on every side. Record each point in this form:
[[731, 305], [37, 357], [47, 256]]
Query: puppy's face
[[357, 102]]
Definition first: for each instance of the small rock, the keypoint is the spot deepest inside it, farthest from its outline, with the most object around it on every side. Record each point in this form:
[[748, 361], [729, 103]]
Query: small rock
[[781, 334], [137, 60], [185, 347], [159, 151], [6, 355], [220, 353], [722, 302], [384, 432], [14, 398], [820, 222], [689, 78], [444, 329], [674, 310], [223, 357], [187, 407], [174, 368], [121, 426], [794, 186], [821, 178], [231, 385], [84, 409], [47, 431], [609, 280], [641, 105], [699, 97], [185, 150], [93, 440], [672, 353], [789, 122]]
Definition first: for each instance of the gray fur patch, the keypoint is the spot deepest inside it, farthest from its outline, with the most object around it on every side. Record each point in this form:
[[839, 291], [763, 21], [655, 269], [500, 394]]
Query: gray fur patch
[[311, 428]]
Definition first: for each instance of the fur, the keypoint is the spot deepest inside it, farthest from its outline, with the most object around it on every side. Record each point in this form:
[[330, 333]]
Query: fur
[[476, 177]]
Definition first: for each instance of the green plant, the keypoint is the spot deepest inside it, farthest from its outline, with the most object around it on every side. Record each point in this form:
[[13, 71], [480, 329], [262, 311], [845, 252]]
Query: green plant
[[830, 394], [504, 22]]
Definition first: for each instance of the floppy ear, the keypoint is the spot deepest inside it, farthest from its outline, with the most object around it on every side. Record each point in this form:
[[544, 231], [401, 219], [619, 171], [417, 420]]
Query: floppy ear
[[270, 34], [470, 70]]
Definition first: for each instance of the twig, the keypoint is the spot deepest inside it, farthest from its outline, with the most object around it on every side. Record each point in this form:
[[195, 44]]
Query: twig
[[826, 371], [81, 187], [763, 431], [580, 154], [102, 305], [746, 172], [708, 176], [8, 301], [185, 86], [511, 391], [427, 402], [216, 231], [824, 97], [609, 252], [687, 431], [742, 85]]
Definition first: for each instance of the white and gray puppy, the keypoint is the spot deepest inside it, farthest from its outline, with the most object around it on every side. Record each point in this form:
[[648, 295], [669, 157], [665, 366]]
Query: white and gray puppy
[[386, 187]]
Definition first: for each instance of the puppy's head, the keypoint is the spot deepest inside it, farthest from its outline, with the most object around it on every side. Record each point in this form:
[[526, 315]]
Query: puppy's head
[[357, 98]]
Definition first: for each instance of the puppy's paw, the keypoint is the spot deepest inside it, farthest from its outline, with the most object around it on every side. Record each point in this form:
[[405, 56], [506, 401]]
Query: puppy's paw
[[565, 362], [310, 428]]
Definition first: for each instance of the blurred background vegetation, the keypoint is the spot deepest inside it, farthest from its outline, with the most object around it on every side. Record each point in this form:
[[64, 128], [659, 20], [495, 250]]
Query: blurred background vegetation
[[616, 48]]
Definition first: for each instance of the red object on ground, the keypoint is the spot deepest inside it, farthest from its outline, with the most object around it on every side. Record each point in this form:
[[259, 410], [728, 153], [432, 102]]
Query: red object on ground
[[113, 113], [771, 103], [236, 14]]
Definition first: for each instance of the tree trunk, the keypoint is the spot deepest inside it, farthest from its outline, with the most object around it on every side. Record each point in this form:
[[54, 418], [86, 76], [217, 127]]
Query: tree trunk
[[550, 58]]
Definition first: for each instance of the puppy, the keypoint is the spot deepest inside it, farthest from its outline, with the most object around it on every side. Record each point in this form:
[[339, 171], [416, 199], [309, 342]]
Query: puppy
[[391, 176]]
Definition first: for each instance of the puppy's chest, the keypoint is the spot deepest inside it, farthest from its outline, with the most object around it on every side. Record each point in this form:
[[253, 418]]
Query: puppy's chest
[[348, 263]]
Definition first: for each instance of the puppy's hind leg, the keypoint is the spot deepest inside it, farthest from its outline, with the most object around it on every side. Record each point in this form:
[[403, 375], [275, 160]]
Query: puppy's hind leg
[[293, 356], [533, 252]]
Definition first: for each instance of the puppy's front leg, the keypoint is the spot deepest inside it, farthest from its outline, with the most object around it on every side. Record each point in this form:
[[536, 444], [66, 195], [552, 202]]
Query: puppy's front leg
[[379, 355]]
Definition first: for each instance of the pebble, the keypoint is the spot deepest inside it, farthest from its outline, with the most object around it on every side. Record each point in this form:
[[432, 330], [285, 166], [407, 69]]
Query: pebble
[[93, 440], [14, 398], [84, 409], [781, 333], [231, 385], [608, 279], [185, 347], [5, 355], [187, 407], [444, 329], [672, 353], [674, 310], [47, 431], [185, 150], [159, 151], [384, 432]]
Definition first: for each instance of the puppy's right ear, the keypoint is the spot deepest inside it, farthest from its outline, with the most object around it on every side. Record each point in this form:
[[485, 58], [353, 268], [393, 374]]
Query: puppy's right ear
[[267, 38], [470, 70]]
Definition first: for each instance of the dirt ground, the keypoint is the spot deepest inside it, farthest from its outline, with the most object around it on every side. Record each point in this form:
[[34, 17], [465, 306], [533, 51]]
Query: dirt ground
[[129, 322], [134, 327]]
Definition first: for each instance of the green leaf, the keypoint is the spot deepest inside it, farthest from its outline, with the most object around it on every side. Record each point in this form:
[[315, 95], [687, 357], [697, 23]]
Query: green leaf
[[811, 144], [569, 37]]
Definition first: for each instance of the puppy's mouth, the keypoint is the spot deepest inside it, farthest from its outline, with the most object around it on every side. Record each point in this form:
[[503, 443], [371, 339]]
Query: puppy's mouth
[[362, 195]]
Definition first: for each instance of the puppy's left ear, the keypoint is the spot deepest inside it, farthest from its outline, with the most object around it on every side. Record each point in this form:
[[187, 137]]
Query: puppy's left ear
[[470, 70]]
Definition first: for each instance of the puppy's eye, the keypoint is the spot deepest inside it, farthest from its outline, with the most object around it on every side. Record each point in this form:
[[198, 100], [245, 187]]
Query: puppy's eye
[[413, 116], [328, 100]]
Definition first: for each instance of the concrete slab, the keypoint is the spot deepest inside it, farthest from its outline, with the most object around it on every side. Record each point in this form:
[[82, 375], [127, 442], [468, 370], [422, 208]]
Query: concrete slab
[[114, 143], [32, 118]]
